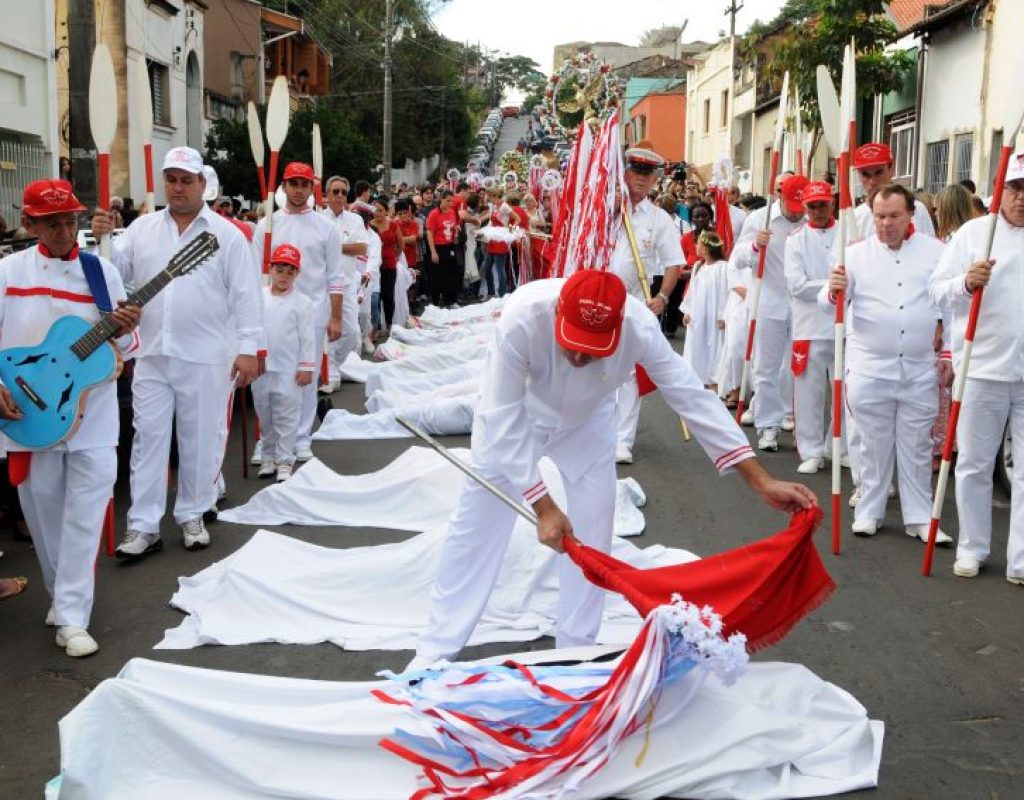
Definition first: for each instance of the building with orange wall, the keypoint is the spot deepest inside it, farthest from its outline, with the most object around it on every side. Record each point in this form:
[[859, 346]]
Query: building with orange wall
[[660, 118]]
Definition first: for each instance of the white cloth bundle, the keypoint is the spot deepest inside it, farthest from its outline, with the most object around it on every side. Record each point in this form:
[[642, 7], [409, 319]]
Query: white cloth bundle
[[450, 416]]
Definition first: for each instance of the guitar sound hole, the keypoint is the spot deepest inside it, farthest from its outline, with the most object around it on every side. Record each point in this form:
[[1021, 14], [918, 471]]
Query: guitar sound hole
[[53, 361]]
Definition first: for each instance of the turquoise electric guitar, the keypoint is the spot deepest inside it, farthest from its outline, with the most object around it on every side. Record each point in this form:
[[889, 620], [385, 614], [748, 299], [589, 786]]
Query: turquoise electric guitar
[[50, 381]]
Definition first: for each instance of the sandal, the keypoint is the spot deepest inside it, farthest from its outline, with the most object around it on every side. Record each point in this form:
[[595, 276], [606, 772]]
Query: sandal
[[12, 587]]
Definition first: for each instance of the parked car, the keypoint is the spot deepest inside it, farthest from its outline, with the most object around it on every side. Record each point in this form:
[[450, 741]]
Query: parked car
[[510, 111]]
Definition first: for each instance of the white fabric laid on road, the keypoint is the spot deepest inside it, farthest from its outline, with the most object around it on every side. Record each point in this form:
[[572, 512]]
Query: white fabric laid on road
[[778, 732], [448, 416], [415, 492], [434, 316]]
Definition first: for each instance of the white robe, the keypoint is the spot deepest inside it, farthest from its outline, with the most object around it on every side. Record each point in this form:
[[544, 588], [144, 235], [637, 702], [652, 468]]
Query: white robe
[[704, 302]]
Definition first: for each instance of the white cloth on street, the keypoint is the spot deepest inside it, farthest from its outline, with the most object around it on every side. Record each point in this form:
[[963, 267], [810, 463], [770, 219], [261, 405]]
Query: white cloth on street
[[382, 400], [435, 316], [206, 317], [412, 493], [192, 395], [456, 350], [448, 416], [778, 732], [704, 302], [64, 499]]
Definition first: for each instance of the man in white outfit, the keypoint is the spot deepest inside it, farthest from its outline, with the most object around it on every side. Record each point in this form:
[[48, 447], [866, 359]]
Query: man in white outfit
[[772, 333], [809, 259], [322, 279], [891, 360], [657, 239], [354, 245], [179, 371], [560, 349], [65, 488], [995, 380]]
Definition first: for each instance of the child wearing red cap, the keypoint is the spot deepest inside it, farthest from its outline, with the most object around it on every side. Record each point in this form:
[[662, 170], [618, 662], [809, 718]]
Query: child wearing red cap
[[290, 363]]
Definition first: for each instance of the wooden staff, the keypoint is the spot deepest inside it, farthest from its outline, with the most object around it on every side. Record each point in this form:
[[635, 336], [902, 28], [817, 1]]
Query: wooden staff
[[103, 125], [1011, 113], [755, 302], [641, 273]]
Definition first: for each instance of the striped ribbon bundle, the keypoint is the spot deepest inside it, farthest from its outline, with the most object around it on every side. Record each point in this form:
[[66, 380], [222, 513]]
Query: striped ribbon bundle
[[598, 210], [568, 221]]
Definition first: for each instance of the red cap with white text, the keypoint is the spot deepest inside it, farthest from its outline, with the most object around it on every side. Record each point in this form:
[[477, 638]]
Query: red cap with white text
[[46, 197], [591, 307], [287, 254]]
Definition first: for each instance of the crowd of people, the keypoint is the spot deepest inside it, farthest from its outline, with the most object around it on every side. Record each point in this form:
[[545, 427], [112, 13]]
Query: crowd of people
[[338, 278]]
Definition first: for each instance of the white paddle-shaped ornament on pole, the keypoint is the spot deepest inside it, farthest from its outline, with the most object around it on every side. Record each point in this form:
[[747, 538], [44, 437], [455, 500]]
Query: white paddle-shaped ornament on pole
[[143, 108], [277, 129], [318, 164], [256, 144], [103, 125]]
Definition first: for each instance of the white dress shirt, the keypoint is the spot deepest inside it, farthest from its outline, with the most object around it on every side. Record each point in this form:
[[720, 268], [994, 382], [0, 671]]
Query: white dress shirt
[[809, 259], [190, 318], [35, 291], [532, 398], [289, 338], [657, 239], [353, 231], [893, 317], [774, 302], [998, 353]]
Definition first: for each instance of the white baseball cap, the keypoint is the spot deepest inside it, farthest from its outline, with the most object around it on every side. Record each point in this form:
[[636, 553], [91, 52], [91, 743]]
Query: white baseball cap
[[212, 191], [1015, 171], [184, 158]]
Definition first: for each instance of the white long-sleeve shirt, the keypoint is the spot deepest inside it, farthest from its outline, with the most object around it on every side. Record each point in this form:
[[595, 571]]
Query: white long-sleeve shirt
[[774, 302], [319, 241], [892, 315], [189, 319], [35, 291], [998, 353], [289, 338], [532, 396], [809, 259], [352, 230], [657, 239]]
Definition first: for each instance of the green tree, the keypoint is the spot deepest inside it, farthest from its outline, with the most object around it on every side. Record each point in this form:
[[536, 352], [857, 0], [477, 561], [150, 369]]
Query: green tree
[[811, 32]]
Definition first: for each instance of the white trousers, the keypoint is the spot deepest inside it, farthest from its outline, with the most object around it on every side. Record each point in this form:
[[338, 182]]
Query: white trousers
[[166, 389], [811, 392], [64, 500], [895, 418], [986, 408], [852, 433], [352, 331], [478, 536], [771, 352], [276, 397], [627, 412], [308, 394]]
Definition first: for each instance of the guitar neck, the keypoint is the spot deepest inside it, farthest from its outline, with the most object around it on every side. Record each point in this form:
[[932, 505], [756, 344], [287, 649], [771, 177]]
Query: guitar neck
[[107, 327]]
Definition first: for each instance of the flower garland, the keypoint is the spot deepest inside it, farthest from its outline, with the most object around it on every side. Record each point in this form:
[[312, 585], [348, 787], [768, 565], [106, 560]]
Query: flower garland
[[582, 88]]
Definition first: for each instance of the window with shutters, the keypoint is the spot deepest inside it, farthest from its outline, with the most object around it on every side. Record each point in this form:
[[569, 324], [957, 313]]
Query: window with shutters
[[901, 140], [160, 88], [938, 165]]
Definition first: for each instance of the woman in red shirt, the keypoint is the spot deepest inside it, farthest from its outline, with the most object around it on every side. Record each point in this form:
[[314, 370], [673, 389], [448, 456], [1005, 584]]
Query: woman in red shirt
[[443, 270], [391, 244]]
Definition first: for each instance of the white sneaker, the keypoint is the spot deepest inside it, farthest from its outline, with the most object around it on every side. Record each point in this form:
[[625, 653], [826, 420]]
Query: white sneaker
[[257, 453], [51, 618], [195, 535], [811, 466], [137, 544], [921, 532], [864, 527], [769, 440], [267, 470], [76, 642], [1017, 580], [284, 472], [966, 567], [855, 498], [747, 418], [328, 388], [788, 423], [623, 455], [303, 453]]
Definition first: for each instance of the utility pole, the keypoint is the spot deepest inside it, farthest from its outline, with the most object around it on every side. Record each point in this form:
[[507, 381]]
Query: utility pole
[[444, 115], [81, 43], [731, 12], [389, 18]]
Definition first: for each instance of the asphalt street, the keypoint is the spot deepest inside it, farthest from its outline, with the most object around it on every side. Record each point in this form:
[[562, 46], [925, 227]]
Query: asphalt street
[[940, 659]]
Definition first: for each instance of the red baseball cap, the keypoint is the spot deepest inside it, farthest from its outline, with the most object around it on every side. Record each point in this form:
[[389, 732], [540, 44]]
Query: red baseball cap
[[287, 254], [297, 169], [591, 307], [872, 154], [816, 191], [46, 197], [793, 193]]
